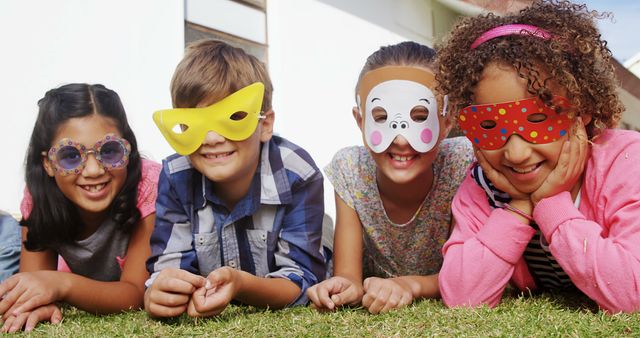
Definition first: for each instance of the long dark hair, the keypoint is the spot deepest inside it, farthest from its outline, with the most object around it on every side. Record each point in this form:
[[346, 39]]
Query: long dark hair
[[54, 219]]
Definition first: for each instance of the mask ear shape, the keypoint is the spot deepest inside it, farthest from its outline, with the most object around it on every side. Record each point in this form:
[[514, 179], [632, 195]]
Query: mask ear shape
[[266, 126]]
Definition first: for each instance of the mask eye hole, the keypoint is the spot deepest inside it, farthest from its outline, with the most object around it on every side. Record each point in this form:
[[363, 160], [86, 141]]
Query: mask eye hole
[[419, 113], [536, 118], [180, 128], [488, 124], [239, 115], [379, 114]]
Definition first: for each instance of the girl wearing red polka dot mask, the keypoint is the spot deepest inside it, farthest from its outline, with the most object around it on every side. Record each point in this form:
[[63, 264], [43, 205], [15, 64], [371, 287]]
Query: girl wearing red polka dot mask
[[547, 206]]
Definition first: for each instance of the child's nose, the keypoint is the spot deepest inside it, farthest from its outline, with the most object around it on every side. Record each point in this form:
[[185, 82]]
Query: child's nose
[[213, 138], [400, 141], [92, 168], [517, 149]]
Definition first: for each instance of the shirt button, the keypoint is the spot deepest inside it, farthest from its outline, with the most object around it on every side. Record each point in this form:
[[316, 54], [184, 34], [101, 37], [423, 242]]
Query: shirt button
[[232, 264], [201, 239], [264, 237]]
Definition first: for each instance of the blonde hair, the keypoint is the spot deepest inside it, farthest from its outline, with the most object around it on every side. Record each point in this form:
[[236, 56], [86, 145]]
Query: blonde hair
[[212, 70]]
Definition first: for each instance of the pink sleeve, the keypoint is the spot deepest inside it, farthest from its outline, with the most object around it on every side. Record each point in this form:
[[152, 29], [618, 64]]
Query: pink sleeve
[[484, 250], [148, 188], [27, 204], [603, 260]]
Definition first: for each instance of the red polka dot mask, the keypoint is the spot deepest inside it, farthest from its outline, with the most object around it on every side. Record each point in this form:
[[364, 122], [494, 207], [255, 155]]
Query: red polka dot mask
[[489, 126], [398, 100]]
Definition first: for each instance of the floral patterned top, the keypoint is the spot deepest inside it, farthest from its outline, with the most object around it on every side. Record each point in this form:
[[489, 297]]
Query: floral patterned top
[[392, 250]]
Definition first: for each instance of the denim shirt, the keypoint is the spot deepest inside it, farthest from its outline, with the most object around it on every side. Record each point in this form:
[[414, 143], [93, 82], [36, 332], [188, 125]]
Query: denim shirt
[[10, 244], [275, 230]]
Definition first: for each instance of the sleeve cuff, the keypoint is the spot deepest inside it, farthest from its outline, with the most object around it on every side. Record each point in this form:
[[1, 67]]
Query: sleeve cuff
[[151, 279], [505, 235], [552, 211]]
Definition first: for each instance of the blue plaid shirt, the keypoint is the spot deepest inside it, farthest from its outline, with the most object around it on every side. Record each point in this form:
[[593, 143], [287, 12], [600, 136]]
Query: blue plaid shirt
[[275, 230]]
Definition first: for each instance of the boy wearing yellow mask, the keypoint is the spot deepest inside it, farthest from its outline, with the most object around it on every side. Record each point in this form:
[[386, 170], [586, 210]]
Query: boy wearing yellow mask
[[239, 211]]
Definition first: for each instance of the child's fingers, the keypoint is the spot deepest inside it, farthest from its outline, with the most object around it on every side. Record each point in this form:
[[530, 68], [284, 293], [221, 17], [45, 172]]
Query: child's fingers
[[398, 299], [51, 313], [176, 285], [321, 296], [18, 323], [196, 309], [348, 296], [56, 315], [6, 324], [375, 301], [168, 299], [10, 299], [27, 306], [196, 280], [392, 303], [159, 310], [7, 286]]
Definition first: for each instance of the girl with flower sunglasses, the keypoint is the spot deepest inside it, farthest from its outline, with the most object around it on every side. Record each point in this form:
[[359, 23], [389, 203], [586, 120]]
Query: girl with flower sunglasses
[[551, 204], [89, 199]]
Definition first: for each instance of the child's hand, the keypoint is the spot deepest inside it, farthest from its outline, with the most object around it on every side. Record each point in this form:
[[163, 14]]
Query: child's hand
[[382, 295], [169, 294], [334, 292], [49, 312], [570, 166], [26, 291], [221, 287]]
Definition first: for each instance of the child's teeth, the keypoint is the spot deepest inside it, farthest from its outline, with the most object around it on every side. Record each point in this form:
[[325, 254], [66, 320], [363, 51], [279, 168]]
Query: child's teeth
[[94, 188], [524, 170], [402, 158]]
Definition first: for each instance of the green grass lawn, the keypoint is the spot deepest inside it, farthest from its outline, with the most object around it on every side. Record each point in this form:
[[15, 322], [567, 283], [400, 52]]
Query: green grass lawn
[[539, 316]]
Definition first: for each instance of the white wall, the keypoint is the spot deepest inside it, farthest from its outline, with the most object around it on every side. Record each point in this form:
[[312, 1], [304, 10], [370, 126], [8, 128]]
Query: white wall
[[131, 47], [316, 52]]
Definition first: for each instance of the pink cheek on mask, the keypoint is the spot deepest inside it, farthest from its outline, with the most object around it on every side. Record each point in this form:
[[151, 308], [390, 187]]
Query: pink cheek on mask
[[426, 136], [376, 138]]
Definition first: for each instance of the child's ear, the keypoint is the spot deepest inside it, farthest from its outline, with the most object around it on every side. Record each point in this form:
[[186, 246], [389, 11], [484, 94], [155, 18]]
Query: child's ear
[[447, 124], [47, 166], [356, 116], [266, 130], [586, 119]]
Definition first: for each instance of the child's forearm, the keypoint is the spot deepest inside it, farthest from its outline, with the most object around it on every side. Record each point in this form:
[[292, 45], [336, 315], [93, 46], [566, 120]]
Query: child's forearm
[[100, 297], [421, 286], [274, 293]]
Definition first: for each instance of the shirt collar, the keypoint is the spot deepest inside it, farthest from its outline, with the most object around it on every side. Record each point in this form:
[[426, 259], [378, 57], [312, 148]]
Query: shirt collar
[[270, 183]]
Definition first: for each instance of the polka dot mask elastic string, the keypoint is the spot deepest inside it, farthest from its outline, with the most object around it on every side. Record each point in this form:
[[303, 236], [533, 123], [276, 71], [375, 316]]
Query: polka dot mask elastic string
[[489, 126]]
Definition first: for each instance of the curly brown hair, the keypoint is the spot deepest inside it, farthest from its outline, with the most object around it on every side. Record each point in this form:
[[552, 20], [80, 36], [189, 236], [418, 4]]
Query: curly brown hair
[[576, 58]]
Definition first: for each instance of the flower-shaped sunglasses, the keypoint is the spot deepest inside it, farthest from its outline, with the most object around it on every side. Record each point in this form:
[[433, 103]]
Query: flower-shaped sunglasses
[[69, 157]]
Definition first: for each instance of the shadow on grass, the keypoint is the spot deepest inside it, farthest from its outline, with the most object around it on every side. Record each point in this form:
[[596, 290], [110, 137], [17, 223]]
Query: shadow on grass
[[571, 300], [230, 313]]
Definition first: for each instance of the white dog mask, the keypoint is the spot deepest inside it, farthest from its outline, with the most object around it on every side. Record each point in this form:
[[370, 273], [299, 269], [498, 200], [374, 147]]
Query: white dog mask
[[397, 99]]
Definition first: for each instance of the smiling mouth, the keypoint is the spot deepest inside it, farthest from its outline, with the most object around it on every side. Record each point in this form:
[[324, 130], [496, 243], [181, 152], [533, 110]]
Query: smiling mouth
[[402, 158], [93, 187], [526, 170], [219, 155]]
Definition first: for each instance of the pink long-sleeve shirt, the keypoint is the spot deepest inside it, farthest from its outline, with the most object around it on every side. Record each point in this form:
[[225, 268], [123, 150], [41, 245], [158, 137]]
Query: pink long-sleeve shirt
[[597, 244]]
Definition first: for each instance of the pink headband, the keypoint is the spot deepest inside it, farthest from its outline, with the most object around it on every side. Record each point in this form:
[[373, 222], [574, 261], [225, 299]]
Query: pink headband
[[518, 29]]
